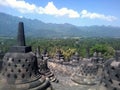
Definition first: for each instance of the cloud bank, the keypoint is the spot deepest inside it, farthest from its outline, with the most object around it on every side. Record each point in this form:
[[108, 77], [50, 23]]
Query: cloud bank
[[51, 9], [86, 14]]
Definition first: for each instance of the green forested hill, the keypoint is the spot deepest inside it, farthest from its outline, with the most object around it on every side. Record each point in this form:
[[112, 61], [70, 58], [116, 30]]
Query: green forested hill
[[37, 28]]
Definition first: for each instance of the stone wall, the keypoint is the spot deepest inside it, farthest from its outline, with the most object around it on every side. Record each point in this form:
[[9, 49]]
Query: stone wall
[[62, 69]]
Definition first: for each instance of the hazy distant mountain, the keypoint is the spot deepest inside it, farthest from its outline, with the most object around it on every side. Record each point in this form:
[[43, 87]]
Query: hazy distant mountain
[[37, 28]]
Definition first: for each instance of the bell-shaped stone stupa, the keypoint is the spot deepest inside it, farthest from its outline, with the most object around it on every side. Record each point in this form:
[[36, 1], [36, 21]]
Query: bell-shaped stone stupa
[[111, 74], [43, 67], [20, 70]]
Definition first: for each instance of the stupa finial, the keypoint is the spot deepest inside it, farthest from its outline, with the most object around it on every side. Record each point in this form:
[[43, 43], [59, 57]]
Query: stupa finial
[[21, 35]]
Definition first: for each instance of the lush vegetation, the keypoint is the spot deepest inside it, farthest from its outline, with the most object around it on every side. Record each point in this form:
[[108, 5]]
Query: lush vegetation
[[106, 46]]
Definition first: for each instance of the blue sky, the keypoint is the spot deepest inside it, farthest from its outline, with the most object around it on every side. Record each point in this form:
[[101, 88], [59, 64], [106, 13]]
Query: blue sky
[[76, 12]]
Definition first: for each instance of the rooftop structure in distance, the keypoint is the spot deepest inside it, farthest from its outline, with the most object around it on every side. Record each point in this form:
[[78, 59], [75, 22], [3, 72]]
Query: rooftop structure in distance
[[97, 58], [75, 57], [45, 54], [20, 70], [100, 58], [111, 73], [43, 67], [87, 52], [59, 56]]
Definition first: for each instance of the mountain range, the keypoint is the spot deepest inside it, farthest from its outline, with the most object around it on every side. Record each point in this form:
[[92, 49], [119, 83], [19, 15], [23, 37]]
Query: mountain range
[[37, 28]]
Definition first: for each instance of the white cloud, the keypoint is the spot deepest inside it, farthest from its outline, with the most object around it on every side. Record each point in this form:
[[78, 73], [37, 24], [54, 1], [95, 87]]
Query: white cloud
[[20, 5], [20, 16], [51, 9], [48, 9], [86, 14]]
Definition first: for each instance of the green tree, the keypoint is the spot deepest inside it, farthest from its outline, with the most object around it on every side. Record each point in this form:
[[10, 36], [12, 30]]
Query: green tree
[[106, 50]]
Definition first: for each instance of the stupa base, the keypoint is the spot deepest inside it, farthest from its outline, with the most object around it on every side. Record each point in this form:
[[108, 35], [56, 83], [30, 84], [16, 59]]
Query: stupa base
[[51, 76], [83, 80], [39, 84]]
